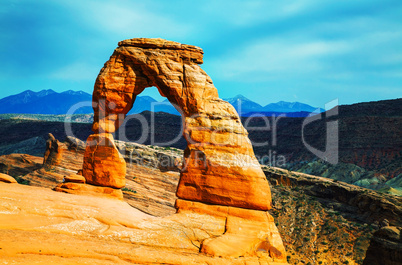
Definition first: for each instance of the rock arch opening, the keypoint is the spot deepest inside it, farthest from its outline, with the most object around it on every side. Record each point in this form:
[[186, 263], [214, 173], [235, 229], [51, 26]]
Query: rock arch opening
[[159, 125], [221, 176], [233, 176]]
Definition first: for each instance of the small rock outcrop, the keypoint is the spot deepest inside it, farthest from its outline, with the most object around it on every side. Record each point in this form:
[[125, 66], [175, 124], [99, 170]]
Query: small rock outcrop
[[75, 178], [7, 178], [75, 143], [53, 151], [385, 247]]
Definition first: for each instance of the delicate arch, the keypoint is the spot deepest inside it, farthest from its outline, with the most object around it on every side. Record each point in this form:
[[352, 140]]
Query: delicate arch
[[228, 173]]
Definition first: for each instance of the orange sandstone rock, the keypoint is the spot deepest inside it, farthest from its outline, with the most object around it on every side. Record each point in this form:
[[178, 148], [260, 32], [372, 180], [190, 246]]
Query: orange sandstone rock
[[220, 166], [74, 178], [54, 151], [220, 178], [103, 164], [40, 226], [85, 189], [247, 232], [7, 178]]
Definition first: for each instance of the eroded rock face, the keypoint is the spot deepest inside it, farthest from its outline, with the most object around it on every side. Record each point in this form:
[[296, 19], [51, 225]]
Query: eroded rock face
[[385, 247], [103, 164], [220, 166], [39, 226]]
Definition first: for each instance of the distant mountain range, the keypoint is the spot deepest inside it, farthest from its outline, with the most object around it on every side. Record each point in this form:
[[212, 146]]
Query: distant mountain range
[[246, 107], [45, 102], [242, 103], [51, 102]]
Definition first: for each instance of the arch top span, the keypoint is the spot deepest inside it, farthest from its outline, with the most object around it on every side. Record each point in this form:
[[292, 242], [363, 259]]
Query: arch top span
[[220, 165], [189, 51]]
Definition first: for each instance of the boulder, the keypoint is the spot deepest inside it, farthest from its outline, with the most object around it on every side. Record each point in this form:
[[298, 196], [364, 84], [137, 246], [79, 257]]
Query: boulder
[[7, 178], [385, 247], [85, 189], [74, 178]]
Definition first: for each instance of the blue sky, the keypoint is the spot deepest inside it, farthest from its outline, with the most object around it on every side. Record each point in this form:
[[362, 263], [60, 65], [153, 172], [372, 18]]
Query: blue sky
[[311, 51]]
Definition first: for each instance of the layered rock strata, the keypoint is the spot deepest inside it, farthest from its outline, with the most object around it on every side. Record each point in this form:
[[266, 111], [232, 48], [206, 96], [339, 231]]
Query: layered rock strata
[[220, 173]]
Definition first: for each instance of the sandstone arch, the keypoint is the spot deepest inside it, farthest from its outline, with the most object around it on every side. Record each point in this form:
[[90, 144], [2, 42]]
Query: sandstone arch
[[221, 178], [230, 174]]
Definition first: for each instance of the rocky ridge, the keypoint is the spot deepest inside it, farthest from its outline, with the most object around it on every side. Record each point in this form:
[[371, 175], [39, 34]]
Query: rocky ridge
[[362, 204]]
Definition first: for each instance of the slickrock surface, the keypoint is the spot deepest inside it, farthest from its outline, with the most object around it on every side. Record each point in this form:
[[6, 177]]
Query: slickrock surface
[[17, 165], [220, 167], [41, 226], [147, 187]]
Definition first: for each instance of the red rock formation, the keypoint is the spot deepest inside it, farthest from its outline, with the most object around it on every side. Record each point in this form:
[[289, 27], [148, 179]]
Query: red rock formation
[[7, 178], [103, 164], [53, 151], [75, 178], [247, 232], [220, 166], [84, 189], [220, 176]]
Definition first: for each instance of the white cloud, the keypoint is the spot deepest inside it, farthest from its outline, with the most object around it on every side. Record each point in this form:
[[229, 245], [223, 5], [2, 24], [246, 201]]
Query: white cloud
[[346, 49], [269, 58], [128, 19]]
